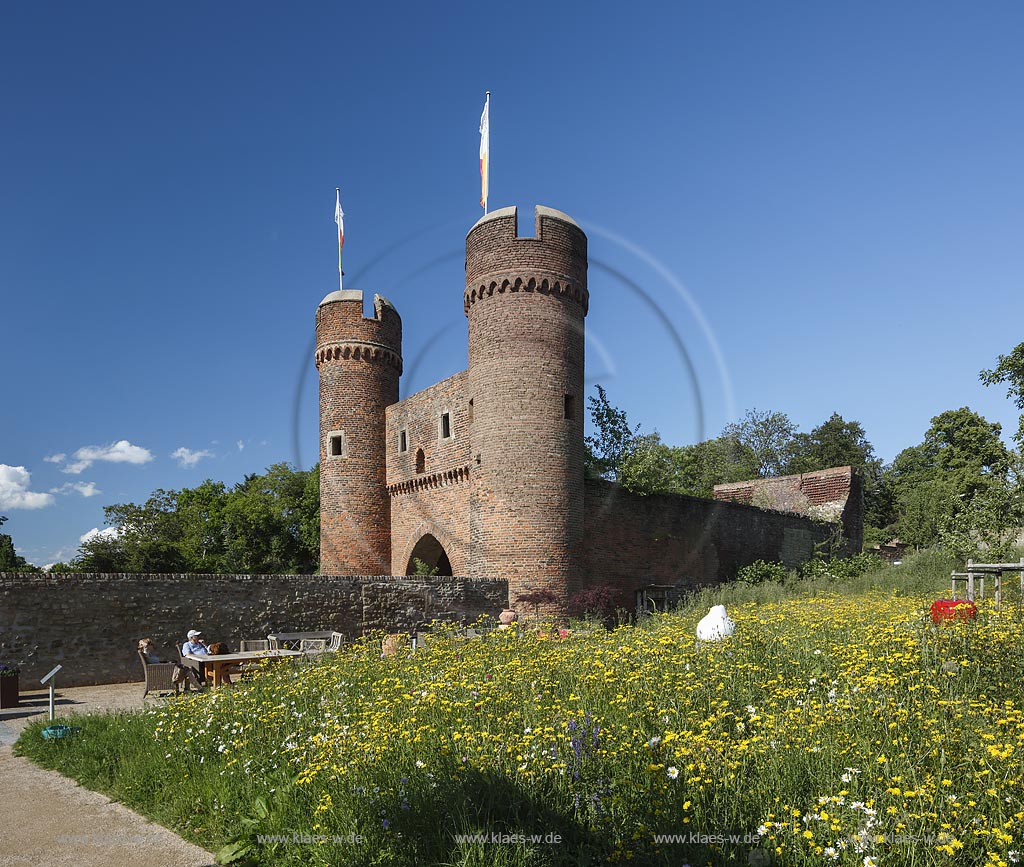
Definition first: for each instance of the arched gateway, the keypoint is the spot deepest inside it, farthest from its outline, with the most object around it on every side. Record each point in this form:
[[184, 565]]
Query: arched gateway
[[432, 553]]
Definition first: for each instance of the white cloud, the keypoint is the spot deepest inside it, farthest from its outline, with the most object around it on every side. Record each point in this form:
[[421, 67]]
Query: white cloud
[[55, 459], [241, 445], [121, 452], [14, 492], [188, 458], [108, 533], [86, 489]]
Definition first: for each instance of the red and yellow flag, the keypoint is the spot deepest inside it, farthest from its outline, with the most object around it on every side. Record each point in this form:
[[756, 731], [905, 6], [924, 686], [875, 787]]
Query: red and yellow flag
[[485, 146], [339, 218]]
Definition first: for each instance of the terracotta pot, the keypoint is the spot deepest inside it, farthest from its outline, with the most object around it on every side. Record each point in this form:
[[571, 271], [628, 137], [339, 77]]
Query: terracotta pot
[[508, 617], [393, 643], [9, 691]]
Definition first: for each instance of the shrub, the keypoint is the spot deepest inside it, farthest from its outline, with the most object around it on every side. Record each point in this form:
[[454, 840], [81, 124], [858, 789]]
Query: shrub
[[761, 571], [600, 602]]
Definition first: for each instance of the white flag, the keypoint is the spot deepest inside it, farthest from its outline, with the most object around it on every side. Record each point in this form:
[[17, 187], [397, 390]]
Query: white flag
[[485, 147]]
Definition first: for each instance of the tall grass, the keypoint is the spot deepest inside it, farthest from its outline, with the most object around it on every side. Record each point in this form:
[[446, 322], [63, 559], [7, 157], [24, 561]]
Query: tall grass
[[838, 725]]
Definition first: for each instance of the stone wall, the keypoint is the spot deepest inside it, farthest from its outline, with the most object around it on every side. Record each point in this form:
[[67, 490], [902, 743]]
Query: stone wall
[[91, 624], [636, 541]]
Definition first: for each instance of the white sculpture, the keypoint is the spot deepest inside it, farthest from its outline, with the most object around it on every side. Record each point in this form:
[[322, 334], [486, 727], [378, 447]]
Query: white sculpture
[[715, 625]]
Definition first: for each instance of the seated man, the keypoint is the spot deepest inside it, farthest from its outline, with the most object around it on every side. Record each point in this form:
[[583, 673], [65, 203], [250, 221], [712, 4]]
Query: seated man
[[195, 644]]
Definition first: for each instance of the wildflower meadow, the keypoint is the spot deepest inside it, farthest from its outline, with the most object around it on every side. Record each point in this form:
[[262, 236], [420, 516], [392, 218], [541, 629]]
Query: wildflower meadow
[[837, 726]]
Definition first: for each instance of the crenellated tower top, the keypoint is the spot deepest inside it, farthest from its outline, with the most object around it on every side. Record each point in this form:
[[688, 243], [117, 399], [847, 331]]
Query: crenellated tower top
[[552, 263]]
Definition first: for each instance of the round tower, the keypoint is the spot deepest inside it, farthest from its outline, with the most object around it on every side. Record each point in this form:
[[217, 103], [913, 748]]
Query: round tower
[[526, 299], [360, 361]]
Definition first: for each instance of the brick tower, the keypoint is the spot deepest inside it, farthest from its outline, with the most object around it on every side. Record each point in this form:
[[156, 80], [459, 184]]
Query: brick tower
[[359, 361], [526, 299]]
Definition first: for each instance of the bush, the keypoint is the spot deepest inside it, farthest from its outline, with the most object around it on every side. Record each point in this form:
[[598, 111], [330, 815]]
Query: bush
[[761, 571], [600, 602]]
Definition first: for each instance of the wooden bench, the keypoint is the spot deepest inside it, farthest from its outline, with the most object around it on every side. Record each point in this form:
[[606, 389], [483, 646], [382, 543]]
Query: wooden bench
[[974, 579]]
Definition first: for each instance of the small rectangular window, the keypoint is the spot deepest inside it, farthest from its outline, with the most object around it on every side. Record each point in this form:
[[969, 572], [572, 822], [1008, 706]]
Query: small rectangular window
[[446, 425], [471, 409], [403, 441], [570, 406], [336, 448]]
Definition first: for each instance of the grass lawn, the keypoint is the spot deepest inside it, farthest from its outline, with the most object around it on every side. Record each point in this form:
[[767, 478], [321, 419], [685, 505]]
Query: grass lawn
[[838, 725]]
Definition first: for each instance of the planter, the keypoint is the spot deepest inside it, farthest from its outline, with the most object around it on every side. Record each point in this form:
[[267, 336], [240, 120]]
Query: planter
[[508, 617], [9, 691]]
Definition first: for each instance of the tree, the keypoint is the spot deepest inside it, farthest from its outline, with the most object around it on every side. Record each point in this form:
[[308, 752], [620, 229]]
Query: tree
[[769, 436], [962, 457], [701, 466], [989, 522], [1010, 370], [613, 440], [840, 443], [649, 467], [9, 559], [267, 523]]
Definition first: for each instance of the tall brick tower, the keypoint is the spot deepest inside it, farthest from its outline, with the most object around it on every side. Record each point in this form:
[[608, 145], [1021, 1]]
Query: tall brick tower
[[359, 361], [526, 299]]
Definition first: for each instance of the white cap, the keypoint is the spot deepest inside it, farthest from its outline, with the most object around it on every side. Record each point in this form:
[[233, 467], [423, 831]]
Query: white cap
[[194, 633]]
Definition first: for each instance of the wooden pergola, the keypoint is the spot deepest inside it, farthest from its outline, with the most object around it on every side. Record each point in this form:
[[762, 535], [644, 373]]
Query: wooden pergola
[[975, 577]]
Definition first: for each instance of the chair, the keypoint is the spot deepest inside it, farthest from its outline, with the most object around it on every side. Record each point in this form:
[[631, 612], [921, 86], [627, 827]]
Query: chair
[[337, 639], [256, 644], [158, 676], [313, 645]]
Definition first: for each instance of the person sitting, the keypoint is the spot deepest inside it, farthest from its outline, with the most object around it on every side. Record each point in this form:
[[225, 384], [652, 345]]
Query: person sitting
[[183, 675], [195, 644]]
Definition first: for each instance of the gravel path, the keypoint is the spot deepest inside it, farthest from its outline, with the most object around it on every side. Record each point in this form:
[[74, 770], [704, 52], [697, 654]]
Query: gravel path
[[51, 821]]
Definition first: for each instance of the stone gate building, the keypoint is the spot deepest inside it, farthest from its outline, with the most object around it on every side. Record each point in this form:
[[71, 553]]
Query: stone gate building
[[482, 473]]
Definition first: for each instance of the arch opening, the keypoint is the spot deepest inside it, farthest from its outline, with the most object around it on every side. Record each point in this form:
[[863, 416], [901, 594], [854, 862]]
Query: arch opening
[[432, 555]]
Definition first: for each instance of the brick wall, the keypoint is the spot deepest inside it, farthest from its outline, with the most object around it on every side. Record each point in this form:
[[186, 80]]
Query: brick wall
[[359, 361], [635, 541], [836, 493], [436, 500], [525, 300], [91, 624]]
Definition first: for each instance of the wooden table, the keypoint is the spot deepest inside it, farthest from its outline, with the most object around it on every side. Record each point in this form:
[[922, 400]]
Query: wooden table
[[219, 663]]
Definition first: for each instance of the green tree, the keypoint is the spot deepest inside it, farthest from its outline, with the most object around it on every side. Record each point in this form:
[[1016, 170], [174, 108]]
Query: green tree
[[10, 561], [962, 456], [769, 436], [840, 443], [613, 440], [703, 465], [1010, 370], [649, 467], [266, 523]]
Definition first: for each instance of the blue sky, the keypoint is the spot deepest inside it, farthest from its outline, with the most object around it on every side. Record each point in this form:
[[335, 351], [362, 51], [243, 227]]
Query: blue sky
[[819, 206]]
